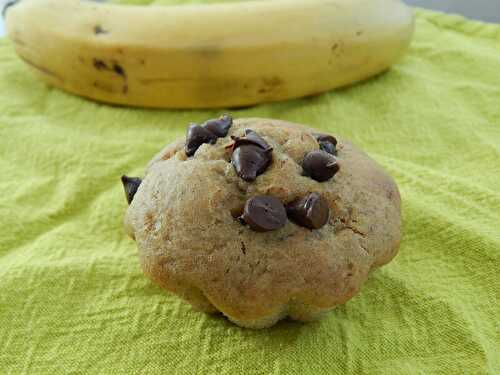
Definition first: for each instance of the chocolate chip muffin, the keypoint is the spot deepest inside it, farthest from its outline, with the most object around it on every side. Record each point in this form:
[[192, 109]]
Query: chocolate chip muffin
[[262, 219]]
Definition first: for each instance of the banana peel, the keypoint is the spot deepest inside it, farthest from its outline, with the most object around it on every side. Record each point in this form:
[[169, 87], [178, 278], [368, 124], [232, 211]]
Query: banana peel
[[207, 55]]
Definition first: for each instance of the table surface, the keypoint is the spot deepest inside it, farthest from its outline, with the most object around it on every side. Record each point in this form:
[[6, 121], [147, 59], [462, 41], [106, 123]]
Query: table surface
[[485, 10]]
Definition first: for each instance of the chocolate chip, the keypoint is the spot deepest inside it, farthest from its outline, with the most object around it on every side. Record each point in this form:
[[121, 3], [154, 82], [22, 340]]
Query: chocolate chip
[[251, 155], [207, 133], [264, 213], [327, 143], [130, 185], [311, 212], [320, 165], [326, 138], [253, 138], [196, 136], [328, 147], [249, 161], [220, 126]]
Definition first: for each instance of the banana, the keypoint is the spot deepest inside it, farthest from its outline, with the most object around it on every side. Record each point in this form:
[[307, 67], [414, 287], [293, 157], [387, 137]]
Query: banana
[[204, 56]]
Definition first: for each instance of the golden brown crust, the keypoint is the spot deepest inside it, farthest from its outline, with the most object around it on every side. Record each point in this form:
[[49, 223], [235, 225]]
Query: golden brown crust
[[190, 243]]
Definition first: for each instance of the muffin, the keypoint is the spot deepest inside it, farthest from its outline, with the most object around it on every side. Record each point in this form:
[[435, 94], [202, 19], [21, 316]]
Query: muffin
[[262, 219]]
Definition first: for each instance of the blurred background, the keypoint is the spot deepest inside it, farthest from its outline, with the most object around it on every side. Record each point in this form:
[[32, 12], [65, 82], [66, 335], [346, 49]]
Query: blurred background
[[485, 10]]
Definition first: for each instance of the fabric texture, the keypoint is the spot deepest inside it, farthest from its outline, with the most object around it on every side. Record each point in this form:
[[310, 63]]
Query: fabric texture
[[73, 299]]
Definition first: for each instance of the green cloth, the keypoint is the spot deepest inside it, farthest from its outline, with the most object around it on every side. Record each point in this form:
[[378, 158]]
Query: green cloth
[[73, 299]]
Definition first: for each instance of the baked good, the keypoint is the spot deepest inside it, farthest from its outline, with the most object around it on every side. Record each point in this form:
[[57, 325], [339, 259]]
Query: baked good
[[262, 219]]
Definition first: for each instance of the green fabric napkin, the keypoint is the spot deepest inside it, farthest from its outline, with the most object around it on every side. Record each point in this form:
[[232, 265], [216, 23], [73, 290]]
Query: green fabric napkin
[[73, 299]]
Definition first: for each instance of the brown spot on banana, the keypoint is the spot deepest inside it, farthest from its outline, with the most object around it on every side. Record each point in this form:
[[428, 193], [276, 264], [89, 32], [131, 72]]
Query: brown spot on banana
[[113, 67], [100, 65], [98, 30], [119, 70], [270, 84]]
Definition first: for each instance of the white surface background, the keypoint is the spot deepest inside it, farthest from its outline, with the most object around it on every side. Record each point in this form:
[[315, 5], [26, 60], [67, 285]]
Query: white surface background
[[486, 10]]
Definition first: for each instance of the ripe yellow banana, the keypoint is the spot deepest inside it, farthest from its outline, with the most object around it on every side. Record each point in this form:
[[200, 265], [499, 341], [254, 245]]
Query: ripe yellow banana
[[201, 56]]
